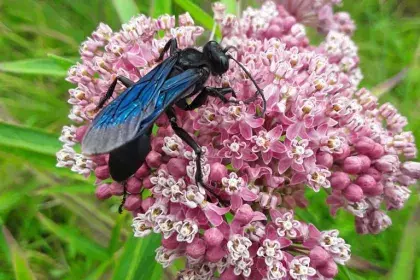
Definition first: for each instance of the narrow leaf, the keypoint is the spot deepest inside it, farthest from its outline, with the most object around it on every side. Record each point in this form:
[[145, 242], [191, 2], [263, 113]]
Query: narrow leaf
[[35, 66], [389, 84], [126, 9], [64, 61], [158, 8], [230, 6], [76, 240], [198, 14], [20, 264]]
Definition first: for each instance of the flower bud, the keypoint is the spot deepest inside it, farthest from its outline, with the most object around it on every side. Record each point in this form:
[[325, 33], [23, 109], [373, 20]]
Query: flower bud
[[353, 193], [102, 172], [365, 161], [147, 184], [364, 145], [145, 204], [196, 248], [324, 159], [213, 237], [80, 132], [340, 180], [171, 243], [133, 185], [215, 254], [154, 159], [244, 214], [374, 173], [217, 172], [387, 163], [103, 192], [116, 188], [142, 172], [367, 183], [132, 202], [318, 256], [352, 165], [329, 270], [157, 144], [274, 31], [412, 169], [344, 153], [377, 151], [177, 167]]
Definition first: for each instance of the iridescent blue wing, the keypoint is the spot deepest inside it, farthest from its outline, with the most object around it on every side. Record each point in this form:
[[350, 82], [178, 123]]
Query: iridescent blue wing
[[120, 121], [173, 89]]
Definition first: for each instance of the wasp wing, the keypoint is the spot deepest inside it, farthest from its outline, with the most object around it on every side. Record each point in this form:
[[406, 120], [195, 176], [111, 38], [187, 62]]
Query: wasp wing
[[120, 121]]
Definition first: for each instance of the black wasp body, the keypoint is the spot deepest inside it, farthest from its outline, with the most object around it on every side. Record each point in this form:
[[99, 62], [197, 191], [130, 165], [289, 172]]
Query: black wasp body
[[124, 126]]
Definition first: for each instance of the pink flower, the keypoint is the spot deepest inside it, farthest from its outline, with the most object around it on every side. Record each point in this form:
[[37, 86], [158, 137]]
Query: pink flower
[[297, 151], [267, 143], [237, 150]]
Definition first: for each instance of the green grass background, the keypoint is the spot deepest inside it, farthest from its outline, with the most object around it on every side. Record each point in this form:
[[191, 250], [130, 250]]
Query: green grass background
[[52, 227]]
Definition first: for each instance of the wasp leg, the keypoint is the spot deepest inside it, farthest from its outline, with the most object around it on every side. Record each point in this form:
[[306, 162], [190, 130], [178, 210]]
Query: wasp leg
[[190, 142], [201, 98], [171, 45], [124, 80], [121, 207]]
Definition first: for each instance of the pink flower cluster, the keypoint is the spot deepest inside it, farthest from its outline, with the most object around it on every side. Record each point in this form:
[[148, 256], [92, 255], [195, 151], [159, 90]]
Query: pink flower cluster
[[319, 133]]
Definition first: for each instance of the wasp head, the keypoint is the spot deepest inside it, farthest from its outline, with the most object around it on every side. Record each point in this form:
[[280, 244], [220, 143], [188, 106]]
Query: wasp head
[[216, 57]]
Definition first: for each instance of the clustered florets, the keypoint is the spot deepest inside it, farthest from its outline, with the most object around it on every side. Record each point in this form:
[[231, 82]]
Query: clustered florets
[[319, 133]]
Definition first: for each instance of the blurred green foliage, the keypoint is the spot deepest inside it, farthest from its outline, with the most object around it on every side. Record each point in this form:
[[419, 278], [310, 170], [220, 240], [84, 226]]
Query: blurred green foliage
[[52, 227]]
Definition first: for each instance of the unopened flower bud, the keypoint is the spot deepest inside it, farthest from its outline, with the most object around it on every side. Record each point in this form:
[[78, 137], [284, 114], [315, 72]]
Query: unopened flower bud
[[318, 256], [215, 254], [387, 163], [116, 188], [102, 172], [171, 243], [374, 173], [142, 172], [244, 214], [213, 237], [411, 169], [132, 202], [345, 152], [217, 172], [353, 193], [329, 270], [133, 185], [146, 203], [365, 162], [339, 180], [352, 165], [147, 184], [377, 151], [154, 159], [325, 159], [177, 167], [367, 183], [103, 192], [80, 132], [365, 145], [196, 248]]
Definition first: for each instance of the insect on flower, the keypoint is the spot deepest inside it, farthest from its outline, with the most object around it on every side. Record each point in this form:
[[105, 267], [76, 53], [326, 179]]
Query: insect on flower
[[124, 126]]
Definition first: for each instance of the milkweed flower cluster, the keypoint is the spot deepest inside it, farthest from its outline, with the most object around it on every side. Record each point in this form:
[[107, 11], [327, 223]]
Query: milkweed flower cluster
[[319, 133]]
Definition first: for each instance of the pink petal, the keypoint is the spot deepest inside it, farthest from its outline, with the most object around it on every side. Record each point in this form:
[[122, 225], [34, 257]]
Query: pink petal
[[247, 195], [298, 167], [258, 216], [271, 232], [284, 242], [278, 147], [276, 132], [254, 122], [213, 217], [284, 164], [293, 130], [274, 214], [136, 60], [298, 178], [237, 163], [267, 156], [217, 209], [314, 232], [236, 202], [245, 130], [247, 155]]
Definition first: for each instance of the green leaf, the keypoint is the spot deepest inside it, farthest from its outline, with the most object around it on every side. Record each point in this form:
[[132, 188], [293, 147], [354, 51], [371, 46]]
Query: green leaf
[[126, 9], [230, 6], [64, 61], [20, 264], [158, 8], [36, 66], [406, 255], [30, 139], [72, 189], [198, 14], [76, 240], [138, 259]]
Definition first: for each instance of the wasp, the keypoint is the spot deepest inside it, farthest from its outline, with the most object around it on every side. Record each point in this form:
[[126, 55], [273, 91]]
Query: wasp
[[123, 128]]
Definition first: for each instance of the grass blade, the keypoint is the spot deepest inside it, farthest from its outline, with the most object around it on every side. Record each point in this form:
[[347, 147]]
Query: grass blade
[[77, 241], [158, 8], [230, 6], [35, 66], [198, 14], [126, 9], [20, 264]]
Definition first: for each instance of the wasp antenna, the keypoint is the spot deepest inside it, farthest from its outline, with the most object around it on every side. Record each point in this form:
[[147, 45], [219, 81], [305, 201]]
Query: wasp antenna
[[259, 90], [225, 50]]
